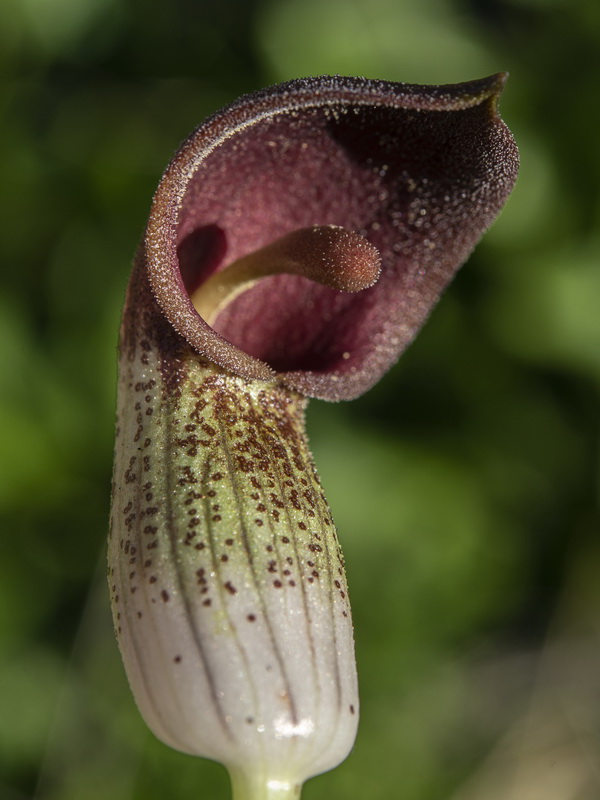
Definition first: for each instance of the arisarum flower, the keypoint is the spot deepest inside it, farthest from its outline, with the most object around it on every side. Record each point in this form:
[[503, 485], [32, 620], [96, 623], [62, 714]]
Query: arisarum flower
[[296, 243]]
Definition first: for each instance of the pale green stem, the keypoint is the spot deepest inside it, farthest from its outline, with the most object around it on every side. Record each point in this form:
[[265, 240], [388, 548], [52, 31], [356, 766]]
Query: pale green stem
[[253, 787]]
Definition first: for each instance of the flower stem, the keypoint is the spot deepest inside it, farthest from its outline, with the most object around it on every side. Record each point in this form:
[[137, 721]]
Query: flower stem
[[253, 787]]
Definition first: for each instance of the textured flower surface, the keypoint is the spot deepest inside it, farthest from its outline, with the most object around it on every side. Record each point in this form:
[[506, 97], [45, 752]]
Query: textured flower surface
[[296, 243]]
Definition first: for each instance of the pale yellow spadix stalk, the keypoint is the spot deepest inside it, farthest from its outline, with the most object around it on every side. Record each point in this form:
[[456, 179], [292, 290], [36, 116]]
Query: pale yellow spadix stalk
[[326, 254]]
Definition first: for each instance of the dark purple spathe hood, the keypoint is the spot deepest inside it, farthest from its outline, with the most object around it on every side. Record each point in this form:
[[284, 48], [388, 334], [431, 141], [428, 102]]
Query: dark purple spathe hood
[[419, 171]]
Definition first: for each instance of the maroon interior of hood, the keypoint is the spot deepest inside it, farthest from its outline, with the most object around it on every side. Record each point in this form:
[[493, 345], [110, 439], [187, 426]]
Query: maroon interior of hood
[[385, 173]]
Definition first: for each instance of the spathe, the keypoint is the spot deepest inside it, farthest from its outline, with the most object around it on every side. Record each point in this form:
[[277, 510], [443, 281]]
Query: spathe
[[420, 171], [314, 226]]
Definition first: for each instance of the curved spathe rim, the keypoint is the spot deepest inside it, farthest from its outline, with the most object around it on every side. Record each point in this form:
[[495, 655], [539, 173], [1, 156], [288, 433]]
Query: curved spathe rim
[[458, 122]]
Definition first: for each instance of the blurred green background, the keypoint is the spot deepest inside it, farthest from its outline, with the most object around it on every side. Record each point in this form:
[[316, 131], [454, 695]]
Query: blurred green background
[[465, 486]]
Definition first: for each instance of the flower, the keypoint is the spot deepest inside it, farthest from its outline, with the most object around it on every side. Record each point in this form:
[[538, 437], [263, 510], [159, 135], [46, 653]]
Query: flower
[[296, 243]]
